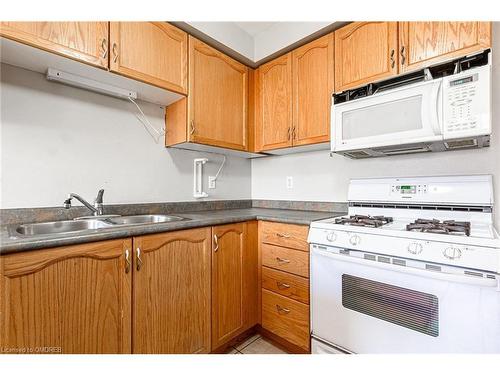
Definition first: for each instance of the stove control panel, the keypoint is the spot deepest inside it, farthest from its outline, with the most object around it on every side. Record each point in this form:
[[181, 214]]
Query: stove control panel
[[409, 190], [415, 248]]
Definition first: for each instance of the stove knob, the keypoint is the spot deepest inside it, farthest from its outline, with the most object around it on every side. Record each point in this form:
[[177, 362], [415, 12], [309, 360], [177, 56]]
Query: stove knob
[[452, 252], [331, 236], [415, 248], [354, 240]]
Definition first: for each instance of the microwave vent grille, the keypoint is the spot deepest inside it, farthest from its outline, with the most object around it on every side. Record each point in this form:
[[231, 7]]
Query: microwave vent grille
[[462, 143], [357, 154]]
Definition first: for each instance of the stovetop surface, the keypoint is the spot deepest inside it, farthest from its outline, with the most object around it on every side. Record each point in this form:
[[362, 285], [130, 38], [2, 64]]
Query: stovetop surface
[[477, 229]]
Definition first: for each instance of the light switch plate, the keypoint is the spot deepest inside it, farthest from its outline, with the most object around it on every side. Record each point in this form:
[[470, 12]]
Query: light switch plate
[[289, 182]]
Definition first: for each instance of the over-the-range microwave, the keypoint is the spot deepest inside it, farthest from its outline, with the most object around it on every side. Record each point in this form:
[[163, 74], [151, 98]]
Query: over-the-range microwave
[[447, 113]]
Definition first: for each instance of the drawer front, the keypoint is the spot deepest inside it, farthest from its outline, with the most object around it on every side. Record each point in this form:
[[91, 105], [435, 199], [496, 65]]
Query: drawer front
[[288, 285], [283, 259], [286, 318], [287, 235]]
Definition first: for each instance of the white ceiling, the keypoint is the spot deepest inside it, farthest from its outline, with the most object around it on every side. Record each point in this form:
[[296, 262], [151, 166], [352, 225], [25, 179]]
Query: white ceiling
[[253, 28], [258, 40]]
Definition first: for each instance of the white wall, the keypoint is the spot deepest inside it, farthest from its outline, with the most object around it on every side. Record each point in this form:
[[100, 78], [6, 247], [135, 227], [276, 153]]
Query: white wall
[[57, 139], [317, 176]]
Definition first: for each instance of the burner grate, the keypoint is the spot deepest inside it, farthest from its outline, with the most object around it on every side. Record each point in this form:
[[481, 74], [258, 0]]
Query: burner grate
[[364, 221], [442, 227]]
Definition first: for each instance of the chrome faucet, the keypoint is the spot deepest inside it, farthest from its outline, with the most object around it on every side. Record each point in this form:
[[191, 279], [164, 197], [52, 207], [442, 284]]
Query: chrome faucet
[[97, 209]]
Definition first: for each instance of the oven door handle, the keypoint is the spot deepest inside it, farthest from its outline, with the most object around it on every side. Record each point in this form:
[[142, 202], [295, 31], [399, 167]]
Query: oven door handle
[[471, 280]]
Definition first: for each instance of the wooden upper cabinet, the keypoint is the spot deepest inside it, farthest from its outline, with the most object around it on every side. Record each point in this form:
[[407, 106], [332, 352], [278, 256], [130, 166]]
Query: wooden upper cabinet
[[312, 72], [234, 280], [218, 96], [425, 43], [171, 292], [73, 299], [365, 52], [152, 52], [274, 122], [83, 41]]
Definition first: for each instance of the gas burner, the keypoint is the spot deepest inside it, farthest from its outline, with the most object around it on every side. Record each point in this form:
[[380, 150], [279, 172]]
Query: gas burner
[[443, 227], [364, 221]]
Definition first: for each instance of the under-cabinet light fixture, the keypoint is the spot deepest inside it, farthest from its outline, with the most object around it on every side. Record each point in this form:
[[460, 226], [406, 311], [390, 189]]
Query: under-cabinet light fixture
[[89, 84]]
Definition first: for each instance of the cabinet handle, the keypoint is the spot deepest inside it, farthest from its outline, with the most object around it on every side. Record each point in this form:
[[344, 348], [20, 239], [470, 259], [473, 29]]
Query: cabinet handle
[[115, 53], [192, 127], [104, 45], [393, 61], [294, 134], [282, 285], [289, 133], [403, 56], [282, 310], [281, 260], [283, 235], [127, 261], [216, 241], [139, 260]]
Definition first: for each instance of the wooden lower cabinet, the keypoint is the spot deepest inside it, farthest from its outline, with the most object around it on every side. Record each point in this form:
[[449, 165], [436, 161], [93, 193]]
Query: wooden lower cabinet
[[284, 283], [234, 281], [72, 299], [171, 292]]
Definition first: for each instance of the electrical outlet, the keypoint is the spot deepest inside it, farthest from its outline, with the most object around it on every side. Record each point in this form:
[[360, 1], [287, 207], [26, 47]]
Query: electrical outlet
[[211, 182], [289, 182]]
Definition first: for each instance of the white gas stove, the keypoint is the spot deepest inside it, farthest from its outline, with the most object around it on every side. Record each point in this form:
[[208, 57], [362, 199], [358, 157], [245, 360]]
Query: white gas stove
[[388, 268]]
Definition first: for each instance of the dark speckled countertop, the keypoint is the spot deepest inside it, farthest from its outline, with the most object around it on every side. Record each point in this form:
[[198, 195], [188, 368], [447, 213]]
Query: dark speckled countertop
[[196, 219]]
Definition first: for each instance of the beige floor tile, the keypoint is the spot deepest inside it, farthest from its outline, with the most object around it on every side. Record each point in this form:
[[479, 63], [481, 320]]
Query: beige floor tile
[[247, 342], [262, 346]]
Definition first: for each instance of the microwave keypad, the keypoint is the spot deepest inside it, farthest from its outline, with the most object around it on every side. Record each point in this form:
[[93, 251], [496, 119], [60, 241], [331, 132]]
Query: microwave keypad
[[461, 104]]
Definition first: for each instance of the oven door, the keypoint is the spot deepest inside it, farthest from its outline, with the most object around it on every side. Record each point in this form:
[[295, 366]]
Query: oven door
[[404, 115], [366, 306]]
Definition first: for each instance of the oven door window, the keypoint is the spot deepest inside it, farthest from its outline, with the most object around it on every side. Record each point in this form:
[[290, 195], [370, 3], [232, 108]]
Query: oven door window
[[405, 307]]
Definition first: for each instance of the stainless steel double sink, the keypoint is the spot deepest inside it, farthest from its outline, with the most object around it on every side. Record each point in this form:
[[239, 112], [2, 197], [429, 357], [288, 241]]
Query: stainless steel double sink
[[88, 223]]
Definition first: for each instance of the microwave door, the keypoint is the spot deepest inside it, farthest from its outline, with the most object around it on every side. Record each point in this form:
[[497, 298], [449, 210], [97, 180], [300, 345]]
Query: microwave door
[[405, 115]]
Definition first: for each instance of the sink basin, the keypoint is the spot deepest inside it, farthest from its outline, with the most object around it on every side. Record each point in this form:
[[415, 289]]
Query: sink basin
[[56, 227], [143, 219]]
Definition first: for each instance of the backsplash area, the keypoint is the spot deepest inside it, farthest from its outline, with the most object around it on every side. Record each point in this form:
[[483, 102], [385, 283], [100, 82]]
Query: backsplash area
[[57, 139]]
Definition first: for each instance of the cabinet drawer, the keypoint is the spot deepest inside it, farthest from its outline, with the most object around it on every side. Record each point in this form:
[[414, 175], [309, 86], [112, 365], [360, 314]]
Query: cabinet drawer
[[283, 259], [286, 318], [287, 235], [286, 284]]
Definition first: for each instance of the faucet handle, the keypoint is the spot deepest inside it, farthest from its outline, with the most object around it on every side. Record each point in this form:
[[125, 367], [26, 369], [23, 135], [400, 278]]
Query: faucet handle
[[67, 203], [98, 199]]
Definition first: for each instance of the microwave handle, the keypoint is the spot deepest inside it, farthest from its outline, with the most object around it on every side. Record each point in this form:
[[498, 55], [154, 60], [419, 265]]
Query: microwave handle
[[470, 280], [436, 105]]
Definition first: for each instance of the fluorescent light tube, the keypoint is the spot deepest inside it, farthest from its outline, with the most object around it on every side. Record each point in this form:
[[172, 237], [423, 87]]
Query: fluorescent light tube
[[89, 84]]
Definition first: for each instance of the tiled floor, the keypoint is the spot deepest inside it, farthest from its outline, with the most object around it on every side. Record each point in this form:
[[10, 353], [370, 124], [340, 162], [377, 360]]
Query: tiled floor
[[256, 344]]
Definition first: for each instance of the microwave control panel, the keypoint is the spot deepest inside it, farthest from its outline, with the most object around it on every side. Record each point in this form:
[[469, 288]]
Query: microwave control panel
[[467, 103]]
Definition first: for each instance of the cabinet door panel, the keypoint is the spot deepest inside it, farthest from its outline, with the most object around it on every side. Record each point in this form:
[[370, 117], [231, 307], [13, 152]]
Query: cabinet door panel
[[365, 52], [312, 91], [425, 43], [218, 94], [84, 41], [152, 52], [73, 299], [171, 293], [275, 104], [227, 282]]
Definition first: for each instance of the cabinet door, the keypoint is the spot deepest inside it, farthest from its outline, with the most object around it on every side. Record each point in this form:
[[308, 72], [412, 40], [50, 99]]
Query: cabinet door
[[83, 41], [274, 127], [312, 72], [171, 292], [365, 52], [234, 281], [152, 52], [425, 43], [218, 94], [73, 299]]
